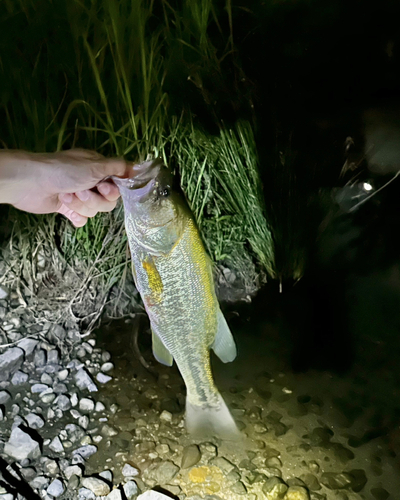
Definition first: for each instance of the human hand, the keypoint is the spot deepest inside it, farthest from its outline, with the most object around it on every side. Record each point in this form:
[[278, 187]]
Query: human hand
[[68, 182]]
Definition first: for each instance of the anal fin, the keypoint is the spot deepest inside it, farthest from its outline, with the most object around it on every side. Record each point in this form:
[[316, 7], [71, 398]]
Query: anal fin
[[224, 346], [160, 352]]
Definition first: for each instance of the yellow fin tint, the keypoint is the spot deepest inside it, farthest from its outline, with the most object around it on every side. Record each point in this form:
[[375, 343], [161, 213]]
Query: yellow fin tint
[[154, 279]]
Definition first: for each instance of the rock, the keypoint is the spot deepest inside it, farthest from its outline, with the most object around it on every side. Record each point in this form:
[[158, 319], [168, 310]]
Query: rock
[[52, 357], [74, 399], [98, 486], [46, 379], [99, 406], [56, 333], [5, 397], [35, 421], [60, 388], [86, 404], [103, 378], [130, 489], [208, 451], [19, 378], [56, 445], [62, 374], [274, 488], [86, 494], [10, 362], [39, 388], [72, 470], [106, 367], [164, 472], [28, 346], [162, 449], [84, 381], [39, 358], [47, 397], [311, 482], [223, 464], [63, 402], [129, 471], [7, 496], [1, 414], [153, 495], [191, 456], [85, 451], [21, 445], [297, 493], [107, 475], [4, 292], [108, 431], [166, 416], [335, 480], [83, 421], [105, 356], [28, 473], [239, 488], [52, 467], [114, 495]]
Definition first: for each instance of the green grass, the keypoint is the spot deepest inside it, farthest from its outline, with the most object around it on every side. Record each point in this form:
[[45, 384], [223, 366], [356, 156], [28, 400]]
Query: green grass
[[99, 74]]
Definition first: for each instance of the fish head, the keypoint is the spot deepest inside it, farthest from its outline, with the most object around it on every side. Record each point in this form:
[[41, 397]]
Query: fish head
[[152, 203]]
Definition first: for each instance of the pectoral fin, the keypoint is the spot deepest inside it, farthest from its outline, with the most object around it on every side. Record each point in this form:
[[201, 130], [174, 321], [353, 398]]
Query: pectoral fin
[[224, 346], [160, 352]]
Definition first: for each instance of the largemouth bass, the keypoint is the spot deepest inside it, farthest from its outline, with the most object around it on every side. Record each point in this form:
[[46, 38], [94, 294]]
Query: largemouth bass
[[173, 275]]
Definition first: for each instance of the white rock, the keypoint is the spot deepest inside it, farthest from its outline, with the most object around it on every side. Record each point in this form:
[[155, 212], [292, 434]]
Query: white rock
[[71, 470], [86, 494], [152, 495], [166, 416], [115, 495], [98, 486], [21, 445], [103, 378], [4, 292], [34, 421], [5, 397], [10, 362], [99, 406], [74, 399], [56, 445], [85, 451], [129, 471], [107, 475], [28, 345], [40, 388], [19, 378], [106, 367], [62, 374], [56, 488], [86, 404], [84, 381], [130, 490]]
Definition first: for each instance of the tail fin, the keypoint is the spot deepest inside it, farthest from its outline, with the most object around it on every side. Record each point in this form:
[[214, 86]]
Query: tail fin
[[203, 421]]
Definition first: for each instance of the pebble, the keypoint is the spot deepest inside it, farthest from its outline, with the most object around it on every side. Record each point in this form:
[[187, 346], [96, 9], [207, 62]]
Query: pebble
[[62, 374], [85, 451], [4, 292], [108, 431], [85, 493], [86, 404], [107, 475], [5, 397], [130, 489], [84, 381], [166, 416], [10, 362], [115, 495], [73, 470], [239, 488], [46, 379], [52, 467], [47, 398], [191, 456], [297, 493], [106, 367], [20, 445], [84, 421], [164, 472], [60, 388], [274, 488], [56, 445], [223, 464], [39, 358], [105, 356], [103, 378], [74, 399], [208, 451], [152, 495], [35, 421], [1, 414], [98, 486], [52, 357], [63, 402], [129, 471], [39, 388], [99, 406], [19, 378]]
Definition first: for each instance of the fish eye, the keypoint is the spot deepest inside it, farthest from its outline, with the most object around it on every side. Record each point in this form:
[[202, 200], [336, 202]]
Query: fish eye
[[165, 192]]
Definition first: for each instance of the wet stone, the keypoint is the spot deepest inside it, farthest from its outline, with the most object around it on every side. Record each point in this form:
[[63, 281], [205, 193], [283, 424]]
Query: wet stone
[[311, 482], [191, 456], [107, 475], [239, 488], [274, 488], [63, 402], [98, 486], [103, 378], [10, 362], [5, 397], [84, 381], [19, 378], [73, 470], [56, 445], [223, 464], [21, 445], [297, 493], [130, 489], [73, 482], [165, 472], [85, 451], [35, 421], [336, 480], [28, 473], [108, 431], [129, 471], [86, 404]]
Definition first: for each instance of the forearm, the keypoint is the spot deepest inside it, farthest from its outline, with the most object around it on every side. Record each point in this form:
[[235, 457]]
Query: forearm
[[15, 175]]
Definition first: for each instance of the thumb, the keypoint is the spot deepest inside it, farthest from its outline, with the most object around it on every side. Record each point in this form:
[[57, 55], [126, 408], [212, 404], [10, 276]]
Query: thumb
[[109, 166]]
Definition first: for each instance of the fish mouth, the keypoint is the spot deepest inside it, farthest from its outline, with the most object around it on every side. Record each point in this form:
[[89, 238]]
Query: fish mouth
[[140, 179]]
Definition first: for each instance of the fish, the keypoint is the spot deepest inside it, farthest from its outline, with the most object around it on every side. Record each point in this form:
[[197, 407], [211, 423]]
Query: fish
[[174, 277]]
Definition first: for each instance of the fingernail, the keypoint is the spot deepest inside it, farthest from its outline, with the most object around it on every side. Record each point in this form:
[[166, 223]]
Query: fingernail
[[83, 195], [76, 217], [66, 197], [104, 188]]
